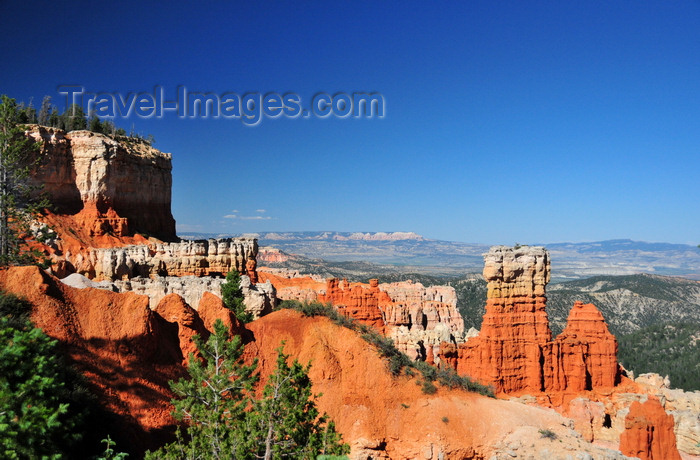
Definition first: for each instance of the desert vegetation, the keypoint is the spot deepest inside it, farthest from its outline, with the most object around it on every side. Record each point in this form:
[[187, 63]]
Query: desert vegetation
[[224, 419]]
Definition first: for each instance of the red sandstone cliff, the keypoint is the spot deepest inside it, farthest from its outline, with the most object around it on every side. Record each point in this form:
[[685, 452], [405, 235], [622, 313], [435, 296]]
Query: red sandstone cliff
[[514, 351], [357, 301]]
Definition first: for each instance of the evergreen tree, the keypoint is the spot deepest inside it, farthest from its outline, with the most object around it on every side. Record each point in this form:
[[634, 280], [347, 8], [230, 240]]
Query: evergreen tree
[[30, 112], [213, 400], [44, 111], [285, 422], [95, 125], [55, 120], [225, 421], [18, 154], [232, 295], [35, 420], [74, 118], [109, 128]]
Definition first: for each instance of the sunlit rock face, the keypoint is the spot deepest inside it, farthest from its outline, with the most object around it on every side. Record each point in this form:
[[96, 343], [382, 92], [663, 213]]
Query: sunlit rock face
[[514, 350], [114, 187]]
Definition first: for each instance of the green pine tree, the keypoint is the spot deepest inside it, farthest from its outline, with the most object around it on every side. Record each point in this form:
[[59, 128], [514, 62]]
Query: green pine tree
[[35, 419], [224, 420], [285, 422], [44, 111], [74, 118], [18, 155], [232, 295], [212, 400]]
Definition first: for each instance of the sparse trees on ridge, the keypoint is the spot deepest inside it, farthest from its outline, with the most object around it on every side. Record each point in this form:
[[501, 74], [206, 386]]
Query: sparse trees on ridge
[[224, 419]]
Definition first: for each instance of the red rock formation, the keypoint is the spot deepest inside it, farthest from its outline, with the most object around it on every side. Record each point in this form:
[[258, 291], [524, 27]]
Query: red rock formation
[[416, 318], [357, 301], [584, 355], [385, 417], [250, 269], [514, 351], [211, 308], [649, 432], [508, 351], [129, 352], [111, 187], [126, 351], [173, 309]]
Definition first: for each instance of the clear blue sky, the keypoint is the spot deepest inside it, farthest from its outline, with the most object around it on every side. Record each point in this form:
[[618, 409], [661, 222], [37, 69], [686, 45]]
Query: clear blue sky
[[505, 121]]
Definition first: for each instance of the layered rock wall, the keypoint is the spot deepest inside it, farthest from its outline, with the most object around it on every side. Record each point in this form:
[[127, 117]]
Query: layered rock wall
[[259, 299], [420, 318], [198, 258], [114, 187], [357, 301]]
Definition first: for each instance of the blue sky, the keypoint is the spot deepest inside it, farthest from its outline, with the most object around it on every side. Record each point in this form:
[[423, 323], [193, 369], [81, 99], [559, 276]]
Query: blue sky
[[505, 121]]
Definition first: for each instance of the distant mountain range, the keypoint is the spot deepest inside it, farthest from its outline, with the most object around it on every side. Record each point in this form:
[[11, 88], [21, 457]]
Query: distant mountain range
[[569, 260]]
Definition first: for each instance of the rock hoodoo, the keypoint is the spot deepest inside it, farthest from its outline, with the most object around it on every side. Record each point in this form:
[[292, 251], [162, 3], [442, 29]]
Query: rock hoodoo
[[109, 186], [649, 432], [514, 351]]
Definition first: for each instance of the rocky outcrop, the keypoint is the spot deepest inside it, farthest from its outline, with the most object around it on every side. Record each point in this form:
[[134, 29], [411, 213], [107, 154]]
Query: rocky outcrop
[[584, 355], [684, 406], [115, 187], [508, 353], [422, 308], [259, 299], [649, 432], [127, 352], [357, 301], [291, 285], [173, 309], [417, 318], [514, 351], [270, 255], [214, 257], [420, 318]]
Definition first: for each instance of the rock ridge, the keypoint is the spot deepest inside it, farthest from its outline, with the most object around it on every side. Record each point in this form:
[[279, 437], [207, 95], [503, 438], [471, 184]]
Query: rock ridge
[[199, 258]]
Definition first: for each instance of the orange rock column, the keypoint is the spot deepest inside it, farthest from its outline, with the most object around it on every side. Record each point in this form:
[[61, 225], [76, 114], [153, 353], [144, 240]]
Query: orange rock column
[[649, 432]]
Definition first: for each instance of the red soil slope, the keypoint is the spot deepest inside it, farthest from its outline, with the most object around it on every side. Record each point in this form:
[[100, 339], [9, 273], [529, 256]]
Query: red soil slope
[[127, 352]]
